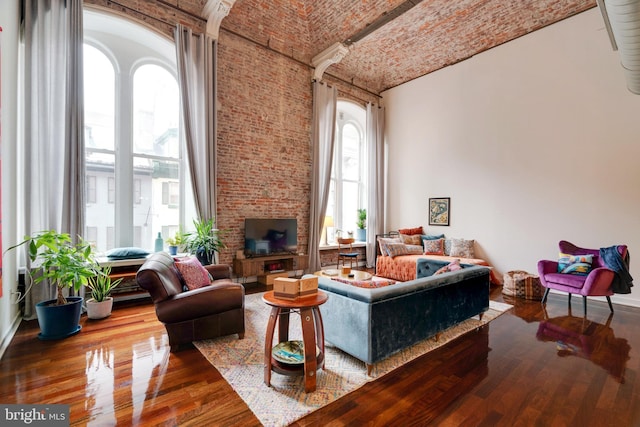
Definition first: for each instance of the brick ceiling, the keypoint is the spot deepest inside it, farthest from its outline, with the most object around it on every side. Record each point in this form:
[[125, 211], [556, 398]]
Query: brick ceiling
[[426, 36]]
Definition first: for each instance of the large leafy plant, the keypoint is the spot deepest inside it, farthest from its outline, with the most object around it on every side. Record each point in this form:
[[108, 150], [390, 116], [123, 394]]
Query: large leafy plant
[[57, 259], [205, 240]]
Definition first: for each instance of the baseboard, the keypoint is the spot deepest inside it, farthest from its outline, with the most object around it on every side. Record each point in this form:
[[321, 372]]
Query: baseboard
[[6, 340]]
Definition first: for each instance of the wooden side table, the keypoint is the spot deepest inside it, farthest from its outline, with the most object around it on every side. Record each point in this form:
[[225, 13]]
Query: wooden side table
[[312, 336]]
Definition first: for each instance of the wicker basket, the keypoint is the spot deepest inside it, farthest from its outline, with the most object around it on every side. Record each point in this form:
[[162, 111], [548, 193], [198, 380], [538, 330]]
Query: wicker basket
[[521, 284]]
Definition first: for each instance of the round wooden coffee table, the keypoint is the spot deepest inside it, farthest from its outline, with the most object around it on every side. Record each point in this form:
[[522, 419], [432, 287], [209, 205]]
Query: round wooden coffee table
[[312, 336]]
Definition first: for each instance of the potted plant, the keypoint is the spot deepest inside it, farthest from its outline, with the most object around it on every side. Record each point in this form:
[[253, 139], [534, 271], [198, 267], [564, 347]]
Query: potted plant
[[66, 265], [100, 304], [361, 223], [205, 241], [176, 242]]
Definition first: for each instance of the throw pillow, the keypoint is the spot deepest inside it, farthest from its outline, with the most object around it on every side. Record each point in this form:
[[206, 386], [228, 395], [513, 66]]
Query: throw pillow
[[411, 239], [452, 266], [432, 236], [433, 247], [384, 241], [575, 264], [193, 273], [397, 249], [447, 247], [127, 253], [411, 231], [462, 248], [366, 283]]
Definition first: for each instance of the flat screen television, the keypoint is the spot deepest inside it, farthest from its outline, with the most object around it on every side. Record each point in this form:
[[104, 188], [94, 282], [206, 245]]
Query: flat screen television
[[270, 236]]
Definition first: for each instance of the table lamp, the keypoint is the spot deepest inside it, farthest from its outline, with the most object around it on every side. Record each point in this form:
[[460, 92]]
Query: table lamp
[[328, 222]]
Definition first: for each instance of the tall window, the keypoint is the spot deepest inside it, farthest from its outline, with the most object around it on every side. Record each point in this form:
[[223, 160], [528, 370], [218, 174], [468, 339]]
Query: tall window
[[348, 176], [132, 139]]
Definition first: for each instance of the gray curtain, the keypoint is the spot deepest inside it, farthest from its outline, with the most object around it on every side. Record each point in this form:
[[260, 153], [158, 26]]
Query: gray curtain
[[376, 178], [322, 141], [52, 155], [196, 63]]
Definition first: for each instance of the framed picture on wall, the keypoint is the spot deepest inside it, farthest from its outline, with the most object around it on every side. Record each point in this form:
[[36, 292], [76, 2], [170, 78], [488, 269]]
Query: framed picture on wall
[[439, 210]]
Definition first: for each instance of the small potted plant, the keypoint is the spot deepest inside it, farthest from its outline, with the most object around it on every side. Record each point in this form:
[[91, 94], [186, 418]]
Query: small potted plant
[[100, 304], [176, 242], [361, 223], [205, 241], [66, 265]]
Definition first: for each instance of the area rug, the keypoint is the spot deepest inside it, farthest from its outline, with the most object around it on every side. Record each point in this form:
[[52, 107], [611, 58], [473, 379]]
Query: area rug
[[240, 362]]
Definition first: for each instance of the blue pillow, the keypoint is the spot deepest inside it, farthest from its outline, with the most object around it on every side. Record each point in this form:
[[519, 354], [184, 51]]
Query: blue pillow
[[432, 236], [127, 253]]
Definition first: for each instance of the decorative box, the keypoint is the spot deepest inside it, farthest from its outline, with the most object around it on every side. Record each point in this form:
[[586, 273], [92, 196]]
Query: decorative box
[[286, 288], [308, 286]]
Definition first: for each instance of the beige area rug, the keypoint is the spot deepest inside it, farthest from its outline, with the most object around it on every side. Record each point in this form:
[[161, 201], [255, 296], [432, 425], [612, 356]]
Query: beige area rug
[[240, 363]]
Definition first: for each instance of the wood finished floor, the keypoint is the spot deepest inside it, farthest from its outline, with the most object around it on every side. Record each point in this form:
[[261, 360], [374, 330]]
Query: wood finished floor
[[520, 369]]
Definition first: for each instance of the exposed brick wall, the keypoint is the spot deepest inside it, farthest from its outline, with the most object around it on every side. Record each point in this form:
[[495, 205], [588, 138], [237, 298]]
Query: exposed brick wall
[[264, 111], [264, 122]]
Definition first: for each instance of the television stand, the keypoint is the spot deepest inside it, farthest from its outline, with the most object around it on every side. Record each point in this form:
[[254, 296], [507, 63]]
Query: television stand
[[267, 268]]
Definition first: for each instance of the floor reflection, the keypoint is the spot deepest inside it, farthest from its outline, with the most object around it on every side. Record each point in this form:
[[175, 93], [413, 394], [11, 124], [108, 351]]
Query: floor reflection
[[100, 387], [581, 337], [148, 361]]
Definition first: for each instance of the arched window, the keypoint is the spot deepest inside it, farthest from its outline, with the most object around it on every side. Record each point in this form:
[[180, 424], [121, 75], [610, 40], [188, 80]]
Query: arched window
[[348, 175], [134, 164]]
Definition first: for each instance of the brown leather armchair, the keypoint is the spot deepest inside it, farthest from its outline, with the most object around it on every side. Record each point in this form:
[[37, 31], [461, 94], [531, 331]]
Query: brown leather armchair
[[207, 312]]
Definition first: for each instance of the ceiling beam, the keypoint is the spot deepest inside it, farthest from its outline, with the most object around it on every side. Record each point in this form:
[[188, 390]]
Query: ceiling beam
[[383, 20]]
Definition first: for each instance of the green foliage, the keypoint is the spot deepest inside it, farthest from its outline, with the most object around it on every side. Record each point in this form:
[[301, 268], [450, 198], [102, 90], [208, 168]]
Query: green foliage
[[58, 260], [205, 238], [178, 239], [101, 284], [361, 223]]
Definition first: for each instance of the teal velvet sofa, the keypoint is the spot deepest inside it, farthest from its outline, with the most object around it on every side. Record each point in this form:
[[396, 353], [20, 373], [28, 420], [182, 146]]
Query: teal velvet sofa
[[371, 324]]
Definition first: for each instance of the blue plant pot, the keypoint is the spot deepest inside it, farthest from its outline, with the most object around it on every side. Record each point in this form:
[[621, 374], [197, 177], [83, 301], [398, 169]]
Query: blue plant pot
[[59, 321], [361, 234], [204, 257]]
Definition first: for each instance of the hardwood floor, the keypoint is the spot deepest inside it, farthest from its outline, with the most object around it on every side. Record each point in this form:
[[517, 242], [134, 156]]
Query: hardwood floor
[[527, 368]]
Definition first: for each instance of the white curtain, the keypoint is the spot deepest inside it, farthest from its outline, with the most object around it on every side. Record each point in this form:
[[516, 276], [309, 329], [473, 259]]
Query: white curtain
[[323, 126], [196, 61], [376, 178], [53, 151]]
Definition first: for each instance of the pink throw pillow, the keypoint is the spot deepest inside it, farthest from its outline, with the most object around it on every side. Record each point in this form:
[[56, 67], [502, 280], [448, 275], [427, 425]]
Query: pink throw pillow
[[452, 266], [193, 273]]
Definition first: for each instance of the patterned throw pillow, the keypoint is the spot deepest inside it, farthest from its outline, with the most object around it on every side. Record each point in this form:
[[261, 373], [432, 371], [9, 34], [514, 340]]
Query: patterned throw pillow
[[575, 264], [397, 249], [447, 247], [452, 266], [411, 239], [366, 283], [193, 273], [433, 247], [384, 241], [462, 248], [411, 231]]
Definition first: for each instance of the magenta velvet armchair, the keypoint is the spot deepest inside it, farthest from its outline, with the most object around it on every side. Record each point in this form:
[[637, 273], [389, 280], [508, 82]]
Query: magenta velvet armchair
[[598, 282]]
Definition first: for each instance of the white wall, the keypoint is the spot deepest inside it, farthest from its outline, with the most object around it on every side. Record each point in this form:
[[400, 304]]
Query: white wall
[[9, 20], [535, 141]]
